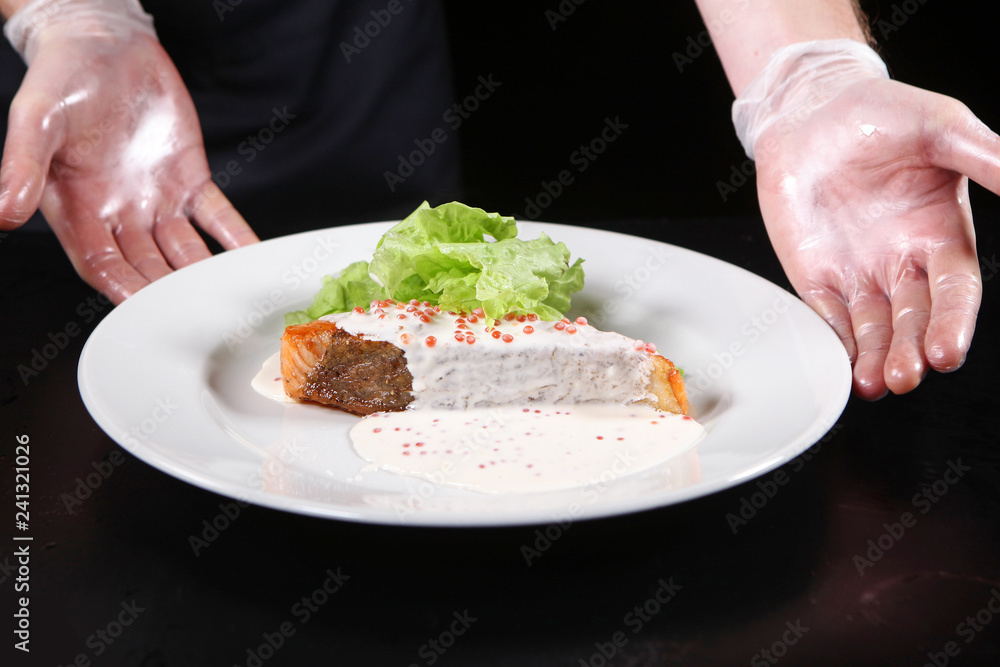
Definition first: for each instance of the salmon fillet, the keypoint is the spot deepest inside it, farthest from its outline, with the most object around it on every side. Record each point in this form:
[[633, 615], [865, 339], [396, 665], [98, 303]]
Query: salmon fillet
[[384, 359]]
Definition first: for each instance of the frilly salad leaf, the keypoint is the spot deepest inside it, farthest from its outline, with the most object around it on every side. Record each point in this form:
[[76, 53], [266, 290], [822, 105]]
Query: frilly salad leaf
[[443, 255]]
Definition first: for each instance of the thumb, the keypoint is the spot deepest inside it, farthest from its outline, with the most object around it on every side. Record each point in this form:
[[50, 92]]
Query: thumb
[[35, 131], [961, 142]]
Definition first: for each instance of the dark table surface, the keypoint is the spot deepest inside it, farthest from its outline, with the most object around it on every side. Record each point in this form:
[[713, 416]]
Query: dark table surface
[[882, 547]]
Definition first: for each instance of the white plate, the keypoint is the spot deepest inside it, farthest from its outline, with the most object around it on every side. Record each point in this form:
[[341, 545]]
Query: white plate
[[167, 375]]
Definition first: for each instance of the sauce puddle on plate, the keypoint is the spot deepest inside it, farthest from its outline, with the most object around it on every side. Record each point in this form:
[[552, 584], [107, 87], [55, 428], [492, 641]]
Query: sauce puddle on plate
[[514, 449], [519, 450]]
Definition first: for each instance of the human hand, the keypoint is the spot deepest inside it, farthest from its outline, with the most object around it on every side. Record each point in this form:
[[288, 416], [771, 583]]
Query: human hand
[[104, 138], [865, 199]]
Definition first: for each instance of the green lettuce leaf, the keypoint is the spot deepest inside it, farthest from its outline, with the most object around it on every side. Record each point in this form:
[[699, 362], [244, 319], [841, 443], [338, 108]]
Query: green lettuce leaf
[[352, 287], [460, 258]]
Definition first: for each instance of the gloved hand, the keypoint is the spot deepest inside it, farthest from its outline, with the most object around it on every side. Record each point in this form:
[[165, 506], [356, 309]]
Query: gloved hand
[[104, 138], [863, 187]]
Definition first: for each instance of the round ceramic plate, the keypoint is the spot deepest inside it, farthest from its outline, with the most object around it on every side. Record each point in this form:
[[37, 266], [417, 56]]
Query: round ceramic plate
[[167, 375]]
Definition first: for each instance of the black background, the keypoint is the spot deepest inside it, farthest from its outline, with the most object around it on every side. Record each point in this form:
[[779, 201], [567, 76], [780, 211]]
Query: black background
[[618, 59]]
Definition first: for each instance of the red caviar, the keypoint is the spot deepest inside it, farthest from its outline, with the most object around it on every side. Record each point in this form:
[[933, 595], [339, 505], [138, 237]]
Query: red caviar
[[430, 341], [529, 329], [358, 309], [507, 338]]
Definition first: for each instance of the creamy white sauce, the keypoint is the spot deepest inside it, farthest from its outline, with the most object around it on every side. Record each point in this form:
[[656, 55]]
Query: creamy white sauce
[[268, 382], [521, 450]]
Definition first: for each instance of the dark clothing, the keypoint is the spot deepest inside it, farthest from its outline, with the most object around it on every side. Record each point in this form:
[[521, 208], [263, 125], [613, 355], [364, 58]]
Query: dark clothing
[[306, 104]]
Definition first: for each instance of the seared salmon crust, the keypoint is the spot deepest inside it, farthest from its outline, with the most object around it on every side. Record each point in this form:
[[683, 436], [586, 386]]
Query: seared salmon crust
[[323, 363]]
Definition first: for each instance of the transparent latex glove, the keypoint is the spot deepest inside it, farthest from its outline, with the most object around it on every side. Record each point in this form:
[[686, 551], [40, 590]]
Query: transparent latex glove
[[104, 138], [864, 192]]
